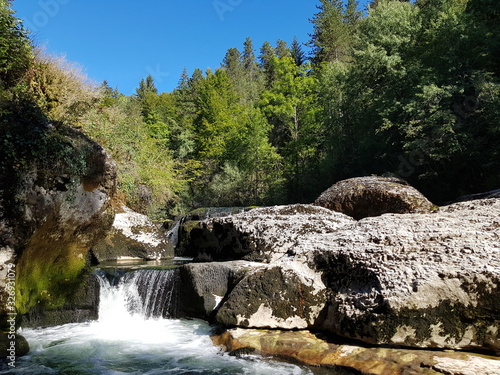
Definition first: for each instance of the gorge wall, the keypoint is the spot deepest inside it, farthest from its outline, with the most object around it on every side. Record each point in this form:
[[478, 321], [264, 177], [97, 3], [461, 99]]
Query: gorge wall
[[55, 204]]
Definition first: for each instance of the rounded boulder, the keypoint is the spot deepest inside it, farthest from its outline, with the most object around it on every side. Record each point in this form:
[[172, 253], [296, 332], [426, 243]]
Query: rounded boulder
[[362, 197]]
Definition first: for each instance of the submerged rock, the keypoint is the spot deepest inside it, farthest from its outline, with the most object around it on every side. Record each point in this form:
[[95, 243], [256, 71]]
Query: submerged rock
[[373, 196], [307, 348], [133, 235], [419, 280]]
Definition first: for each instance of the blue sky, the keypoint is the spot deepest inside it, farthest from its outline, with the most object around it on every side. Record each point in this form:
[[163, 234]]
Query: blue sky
[[122, 41]]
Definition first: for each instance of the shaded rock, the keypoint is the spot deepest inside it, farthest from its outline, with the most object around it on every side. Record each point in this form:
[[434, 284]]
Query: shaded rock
[[473, 197], [10, 348], [307, 348], [82, 306], [288, 296], [205, 285], [53, 213], [373, 196], [133, 235], [185, 247]]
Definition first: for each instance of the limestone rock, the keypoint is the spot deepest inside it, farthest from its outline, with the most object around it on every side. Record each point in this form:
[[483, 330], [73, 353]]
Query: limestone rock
[[81, 306], [307, 348], [424, 280], [262, 234], [52, 214], [288, 296], [420, 280], [205, 285], [133, 235], [373, 196]]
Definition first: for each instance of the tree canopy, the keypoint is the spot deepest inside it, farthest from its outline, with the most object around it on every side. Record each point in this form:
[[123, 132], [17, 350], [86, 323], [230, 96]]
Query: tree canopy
[[405, 88]]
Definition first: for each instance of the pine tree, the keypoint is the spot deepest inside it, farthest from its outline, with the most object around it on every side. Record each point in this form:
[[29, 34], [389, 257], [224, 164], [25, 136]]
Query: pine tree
[[282, 49], [146, 86], [232, 64], [333, 36], [297, 53], [248, 56], [267, 54]]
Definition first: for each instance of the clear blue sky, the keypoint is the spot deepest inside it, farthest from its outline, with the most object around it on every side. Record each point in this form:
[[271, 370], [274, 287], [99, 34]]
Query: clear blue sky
[[122, 41]]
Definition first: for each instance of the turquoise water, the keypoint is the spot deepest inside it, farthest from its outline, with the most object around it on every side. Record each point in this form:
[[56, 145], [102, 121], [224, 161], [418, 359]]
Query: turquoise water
[[151, 347], [124, 341]]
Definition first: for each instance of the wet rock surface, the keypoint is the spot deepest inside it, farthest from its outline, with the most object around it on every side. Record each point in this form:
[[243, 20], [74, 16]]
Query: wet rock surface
[[311, 349]]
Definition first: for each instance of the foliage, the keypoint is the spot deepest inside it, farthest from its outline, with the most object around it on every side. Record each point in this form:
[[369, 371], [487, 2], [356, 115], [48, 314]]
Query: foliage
[[409, 88]]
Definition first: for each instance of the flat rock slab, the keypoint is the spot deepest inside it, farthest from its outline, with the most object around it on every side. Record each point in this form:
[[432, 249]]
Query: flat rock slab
[[307, 348]]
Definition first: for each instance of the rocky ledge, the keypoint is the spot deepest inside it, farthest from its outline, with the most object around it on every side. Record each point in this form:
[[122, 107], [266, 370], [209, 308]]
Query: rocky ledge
[[133, 236], [311, 349], [422, 280]]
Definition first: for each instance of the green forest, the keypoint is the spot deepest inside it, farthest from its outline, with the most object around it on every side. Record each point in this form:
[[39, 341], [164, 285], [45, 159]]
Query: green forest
[[408, 89]]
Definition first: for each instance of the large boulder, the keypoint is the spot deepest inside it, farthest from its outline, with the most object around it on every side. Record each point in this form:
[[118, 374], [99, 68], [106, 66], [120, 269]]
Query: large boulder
[[54, 214], [205, 285], [133, 236], [420, 280], [423, 280], [288, 295], [373, 196], [56, 187], [262, 234]]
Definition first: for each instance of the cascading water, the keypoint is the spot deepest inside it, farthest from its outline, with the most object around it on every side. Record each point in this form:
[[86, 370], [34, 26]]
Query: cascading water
[[149, 293], [133, 337]]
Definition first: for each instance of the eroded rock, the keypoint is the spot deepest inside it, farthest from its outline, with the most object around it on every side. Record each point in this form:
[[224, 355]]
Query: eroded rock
[[262, 234], [420, 280], [52, 213], [307, 348], [133, 235], [373, 196], [287, 296], [205, 285]]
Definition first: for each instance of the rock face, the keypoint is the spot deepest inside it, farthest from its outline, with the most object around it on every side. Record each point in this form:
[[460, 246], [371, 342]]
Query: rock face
[[263, 234], [133, 235], [420, 280], [181, 230], [373, 196], [82, 306], [204, 285], [51, 216]]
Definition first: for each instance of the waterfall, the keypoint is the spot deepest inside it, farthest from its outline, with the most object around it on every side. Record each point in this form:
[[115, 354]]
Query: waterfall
[[173, 234], [142, 293]]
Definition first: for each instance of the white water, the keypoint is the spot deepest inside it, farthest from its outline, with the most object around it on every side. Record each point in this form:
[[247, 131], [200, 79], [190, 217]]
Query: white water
[[123, 341]]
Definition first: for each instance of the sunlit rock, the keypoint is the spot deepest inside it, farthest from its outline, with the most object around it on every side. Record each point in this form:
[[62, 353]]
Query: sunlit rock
[[373, 196], [133, 236]]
